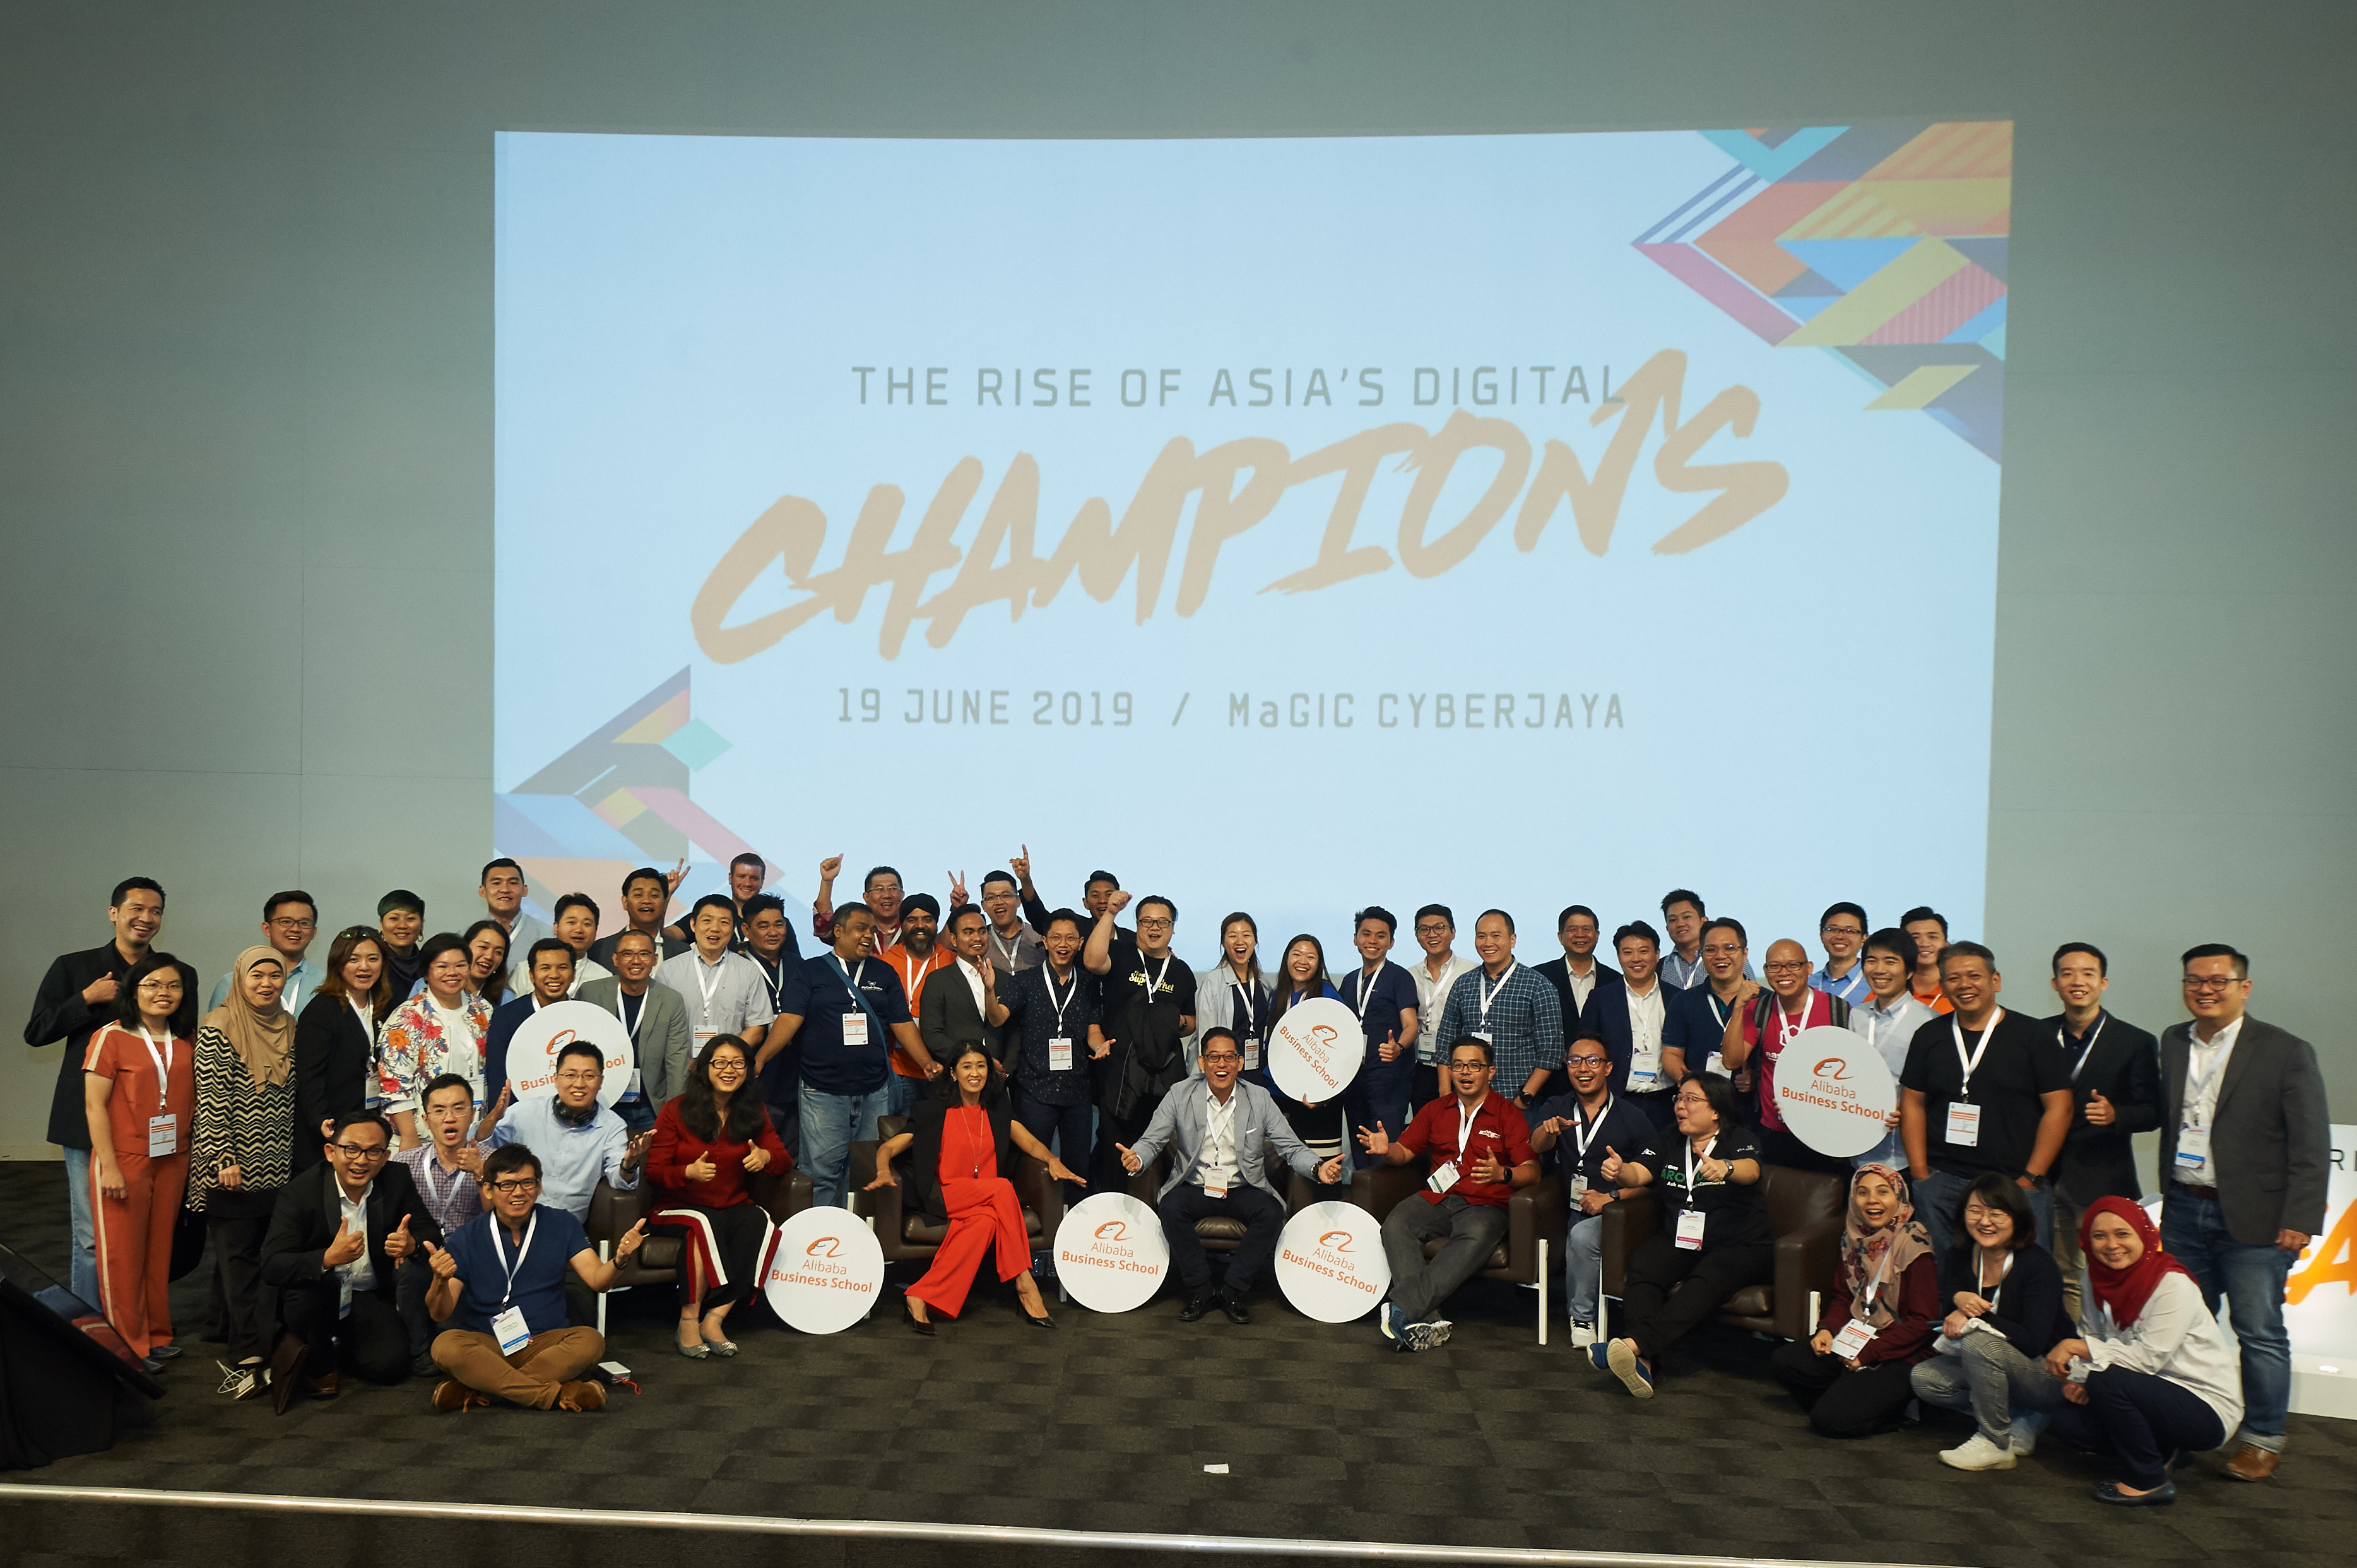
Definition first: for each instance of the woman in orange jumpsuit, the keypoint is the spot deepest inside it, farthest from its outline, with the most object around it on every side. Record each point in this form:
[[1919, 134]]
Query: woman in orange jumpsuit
[[139, 1090]]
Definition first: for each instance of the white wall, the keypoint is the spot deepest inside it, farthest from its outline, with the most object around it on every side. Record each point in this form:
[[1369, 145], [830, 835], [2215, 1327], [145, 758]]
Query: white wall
[[245, 356]]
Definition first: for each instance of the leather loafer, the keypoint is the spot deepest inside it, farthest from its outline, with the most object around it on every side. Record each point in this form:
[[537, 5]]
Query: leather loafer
[[2252, 1462], [1233, 1306], [2160, 1496], [1197, 1305]]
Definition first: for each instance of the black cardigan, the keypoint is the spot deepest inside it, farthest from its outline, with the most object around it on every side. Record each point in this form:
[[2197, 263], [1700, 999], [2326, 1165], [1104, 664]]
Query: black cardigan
[[333, 1056], [2028, 1306], [919, 1166]]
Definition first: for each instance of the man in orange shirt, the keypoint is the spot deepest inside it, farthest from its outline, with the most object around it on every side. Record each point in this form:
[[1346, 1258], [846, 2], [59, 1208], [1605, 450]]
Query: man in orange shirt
[[1930, 929], [916, 955]]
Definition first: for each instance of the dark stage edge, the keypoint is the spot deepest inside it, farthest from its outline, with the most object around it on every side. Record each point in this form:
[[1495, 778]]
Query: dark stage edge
[[1105, 1427]]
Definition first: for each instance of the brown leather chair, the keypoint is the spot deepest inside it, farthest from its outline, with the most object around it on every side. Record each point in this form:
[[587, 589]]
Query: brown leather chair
[[1804, 1215], [907, 1236], [1535, 1214], [657, 1260], [1217, 1232]]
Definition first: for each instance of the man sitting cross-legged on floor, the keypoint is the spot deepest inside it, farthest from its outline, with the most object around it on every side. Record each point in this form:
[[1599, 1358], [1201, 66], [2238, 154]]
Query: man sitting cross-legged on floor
[[504, 1296], [1480, 1151], [1214, 1127]]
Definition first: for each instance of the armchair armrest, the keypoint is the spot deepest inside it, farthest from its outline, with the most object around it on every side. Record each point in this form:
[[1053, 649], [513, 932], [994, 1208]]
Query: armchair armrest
[[1805, 1259], [612, 1211], [1626, 1224], [1378, 1189], [1535, 1211]]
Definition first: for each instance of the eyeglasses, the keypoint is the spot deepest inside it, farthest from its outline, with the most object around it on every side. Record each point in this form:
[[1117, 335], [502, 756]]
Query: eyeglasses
[[1432, 929], [514, 1184], [362, 1151], [1791, 966], [160, 986], [289, 923], [2211, 982], [1721, 950], [1588, 1061], [1152, 925], [1841, 930], [1225, 1058], [580, 1077]]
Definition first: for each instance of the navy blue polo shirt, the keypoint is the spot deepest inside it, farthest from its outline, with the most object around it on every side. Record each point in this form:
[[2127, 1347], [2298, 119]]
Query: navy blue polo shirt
[[1694, 1022], [539, 1289], [829, 1066], [788, 993], [1393, 989]]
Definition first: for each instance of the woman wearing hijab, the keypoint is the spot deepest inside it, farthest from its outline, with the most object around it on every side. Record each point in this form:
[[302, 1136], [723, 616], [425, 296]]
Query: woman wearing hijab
[[2155, 1378], [961, 1144], [243, 1148], [1852, 1375]]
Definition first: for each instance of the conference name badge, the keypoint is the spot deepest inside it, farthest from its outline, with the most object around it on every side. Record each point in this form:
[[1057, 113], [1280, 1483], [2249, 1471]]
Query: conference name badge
[[1690, 1225], [2193, 1153], [854, 1028], [162, 1135], [1060, 1054], [510, 1329], [1964, 1125], [1442, 1179], [1855, 1337]]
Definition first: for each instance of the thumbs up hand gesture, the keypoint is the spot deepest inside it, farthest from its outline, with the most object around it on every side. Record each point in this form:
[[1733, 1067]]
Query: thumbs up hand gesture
[[2100, 1110], [1129, 1160], [400, 1243], [444, 1265], [630, 1242], [344, 1249], [1390, 1049], [1610, 1169]]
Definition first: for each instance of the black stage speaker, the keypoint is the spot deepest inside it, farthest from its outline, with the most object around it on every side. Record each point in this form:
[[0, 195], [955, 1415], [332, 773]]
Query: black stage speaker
[[68, 1382]]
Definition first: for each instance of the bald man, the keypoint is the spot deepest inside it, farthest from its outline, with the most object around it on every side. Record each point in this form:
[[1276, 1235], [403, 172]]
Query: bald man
[[1763, 1024]]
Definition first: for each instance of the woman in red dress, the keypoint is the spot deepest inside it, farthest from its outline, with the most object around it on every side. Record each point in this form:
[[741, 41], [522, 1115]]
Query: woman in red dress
[[959, 1136], [706, 1143]]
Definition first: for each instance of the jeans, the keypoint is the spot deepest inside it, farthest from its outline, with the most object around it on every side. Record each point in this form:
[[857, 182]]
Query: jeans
[[787, 1118], [1419, 1285], [831, 1125], [83, 1275], [1938, 1196], [636, 1114], [1380, 1093], [901, 1094], [2067, 1256], [2001, 1387], [2141, 1419], [1064, 1130], [2251, 1281], [1583, 1253]]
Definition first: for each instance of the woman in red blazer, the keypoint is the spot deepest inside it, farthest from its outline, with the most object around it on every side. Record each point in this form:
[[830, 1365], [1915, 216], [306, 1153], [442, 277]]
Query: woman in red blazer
[[707, 1143]]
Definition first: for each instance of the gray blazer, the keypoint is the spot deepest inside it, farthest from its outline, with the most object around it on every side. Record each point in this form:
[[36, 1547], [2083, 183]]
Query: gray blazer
[[2272, 1141], [1184, 1119], [665, 1051]]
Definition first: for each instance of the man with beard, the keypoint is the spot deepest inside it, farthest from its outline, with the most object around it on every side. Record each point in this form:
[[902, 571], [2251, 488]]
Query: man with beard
[[1148, 1010], [914, 958]]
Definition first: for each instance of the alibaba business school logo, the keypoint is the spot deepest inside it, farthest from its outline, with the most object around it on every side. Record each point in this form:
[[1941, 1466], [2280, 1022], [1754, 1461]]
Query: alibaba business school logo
[[1336, 1240], [1834, 1068], [1113, 1230], [823, 1247]]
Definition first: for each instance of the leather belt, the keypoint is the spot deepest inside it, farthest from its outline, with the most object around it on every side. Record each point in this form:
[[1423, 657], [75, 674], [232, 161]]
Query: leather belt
[[2209, 1192]]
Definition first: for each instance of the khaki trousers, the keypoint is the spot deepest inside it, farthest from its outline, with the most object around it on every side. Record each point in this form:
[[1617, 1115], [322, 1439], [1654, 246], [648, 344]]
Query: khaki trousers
[[529, 1377]]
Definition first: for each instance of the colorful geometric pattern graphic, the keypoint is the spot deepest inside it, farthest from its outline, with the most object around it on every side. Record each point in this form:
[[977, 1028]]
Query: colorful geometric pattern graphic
[[617, 800], [1881, 243]]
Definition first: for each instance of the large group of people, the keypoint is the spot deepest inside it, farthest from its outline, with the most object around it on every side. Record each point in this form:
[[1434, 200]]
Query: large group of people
[[379, 1200]]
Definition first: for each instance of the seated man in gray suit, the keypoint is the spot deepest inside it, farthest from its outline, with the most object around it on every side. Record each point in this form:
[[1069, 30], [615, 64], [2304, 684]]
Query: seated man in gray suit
[[1214, 1127], [965, 1005], [657, 1020]]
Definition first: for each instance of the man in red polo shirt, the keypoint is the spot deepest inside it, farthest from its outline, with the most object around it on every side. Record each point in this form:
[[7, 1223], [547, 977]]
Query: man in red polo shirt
[[1480, 1151]]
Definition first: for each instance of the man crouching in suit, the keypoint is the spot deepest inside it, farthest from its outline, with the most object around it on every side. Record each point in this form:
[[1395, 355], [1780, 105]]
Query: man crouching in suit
[[1215, 1127]]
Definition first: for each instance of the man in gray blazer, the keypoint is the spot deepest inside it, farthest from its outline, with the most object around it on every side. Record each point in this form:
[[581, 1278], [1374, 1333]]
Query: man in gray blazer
[[961, 1003], [2244, 1147], [657, 1020], [1214, 1127]]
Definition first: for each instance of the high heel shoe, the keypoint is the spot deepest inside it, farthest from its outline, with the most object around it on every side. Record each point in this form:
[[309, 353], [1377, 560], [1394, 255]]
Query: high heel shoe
[[908, 1314], [1043, 1321]]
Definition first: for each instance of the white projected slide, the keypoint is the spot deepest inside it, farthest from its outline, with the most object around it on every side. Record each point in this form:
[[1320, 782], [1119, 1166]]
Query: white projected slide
[[1284, 525]]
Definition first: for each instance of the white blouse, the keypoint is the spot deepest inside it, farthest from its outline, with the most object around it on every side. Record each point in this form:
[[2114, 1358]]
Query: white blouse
[[2175, 1338]]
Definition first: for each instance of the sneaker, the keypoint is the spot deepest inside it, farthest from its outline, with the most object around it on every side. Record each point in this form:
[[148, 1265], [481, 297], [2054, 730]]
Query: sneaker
[[1977, 1452], [425, 1366], [2022, 1441], [1388, 1319], [1620, 1357], [1598, 1355], [1429, 1336], [2158, 1497], [1583, 1334], [165, 1352]]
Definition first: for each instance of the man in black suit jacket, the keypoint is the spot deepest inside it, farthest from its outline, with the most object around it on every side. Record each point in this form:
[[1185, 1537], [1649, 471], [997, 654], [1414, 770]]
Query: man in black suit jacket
[[947, 1014], [1578, 976], [2115, 1070], [342, 1228], [2245, 1148]]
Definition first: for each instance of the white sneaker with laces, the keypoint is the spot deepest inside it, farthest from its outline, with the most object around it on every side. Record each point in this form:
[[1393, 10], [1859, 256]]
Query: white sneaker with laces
[[1583, 1335], [1977, 1454]]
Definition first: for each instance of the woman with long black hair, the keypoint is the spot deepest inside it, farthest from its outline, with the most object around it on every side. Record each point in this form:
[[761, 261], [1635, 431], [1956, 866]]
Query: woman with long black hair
[[708, 1143], [1300, 977]]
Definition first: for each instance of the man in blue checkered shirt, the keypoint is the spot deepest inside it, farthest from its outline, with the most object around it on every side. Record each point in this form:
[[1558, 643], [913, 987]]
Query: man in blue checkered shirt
[[1510, 1006]]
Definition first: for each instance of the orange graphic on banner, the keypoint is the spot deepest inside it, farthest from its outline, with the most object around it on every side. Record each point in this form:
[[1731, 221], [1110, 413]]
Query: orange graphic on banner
[[2334, 1261]]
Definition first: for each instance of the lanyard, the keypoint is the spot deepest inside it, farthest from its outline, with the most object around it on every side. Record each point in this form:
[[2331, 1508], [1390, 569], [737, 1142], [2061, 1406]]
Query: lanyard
[[441, 1201], [1245, 1000], [1048, 978], [1973, 1062], [707, 981], [1873, 1286], [530, 1230], [1875, 1019], [367, 1015], [1465, 1120], [1007, 952], [2089, 1048], [630, 1021], [1489, 992], [1585, 1129], [2194, 1084], [1786, 1030], [1694, 1158], [163, 1060], [1716, 1016], [776, 987], [1981, 1266], [1367, 991], [1223, 1121], [1153, 982]]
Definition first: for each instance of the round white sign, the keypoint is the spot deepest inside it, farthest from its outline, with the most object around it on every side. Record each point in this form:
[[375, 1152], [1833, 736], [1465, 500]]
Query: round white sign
[[532, 1049], [825, 1269], [1834, 1092], [1331, 1262], [1110, 1253], [1314, 1050]]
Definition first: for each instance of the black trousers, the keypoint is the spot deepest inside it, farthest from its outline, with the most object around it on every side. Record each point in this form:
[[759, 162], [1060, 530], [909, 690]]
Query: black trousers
[[736, 1233], [1670, 1289], [1063, 1129], [247, 1308], [1262, 1216], [1108, 1176], [370, 1339], [1842, 1402], [2141, 1419]]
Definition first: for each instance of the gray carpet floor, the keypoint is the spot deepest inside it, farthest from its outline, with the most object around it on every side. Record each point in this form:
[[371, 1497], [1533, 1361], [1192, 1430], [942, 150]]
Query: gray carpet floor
[[1109, 1423]]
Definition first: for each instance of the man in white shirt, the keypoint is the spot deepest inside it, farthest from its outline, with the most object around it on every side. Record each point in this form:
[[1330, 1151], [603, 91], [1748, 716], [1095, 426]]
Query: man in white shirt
[[1629, 1016], [1436, 930], [1216, 1127], [1888, 1019], [722, 990]]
